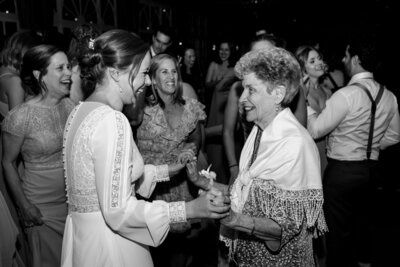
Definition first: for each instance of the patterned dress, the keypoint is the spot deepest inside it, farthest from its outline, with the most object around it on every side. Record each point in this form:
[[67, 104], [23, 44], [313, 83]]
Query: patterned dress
[[159, 144], [43, 180]]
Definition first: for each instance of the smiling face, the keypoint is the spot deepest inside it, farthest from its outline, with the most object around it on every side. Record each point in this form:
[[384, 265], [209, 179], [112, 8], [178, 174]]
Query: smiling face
[[189, 57], [141, 80], [224, 51], [58, 76], [256, 101], [314, 66], [166, 78]]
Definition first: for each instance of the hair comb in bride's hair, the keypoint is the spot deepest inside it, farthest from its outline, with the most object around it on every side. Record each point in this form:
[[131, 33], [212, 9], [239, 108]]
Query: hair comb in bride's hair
[[85, 34]]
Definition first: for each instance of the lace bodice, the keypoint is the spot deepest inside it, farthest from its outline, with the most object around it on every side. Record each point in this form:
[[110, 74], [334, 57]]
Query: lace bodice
[[123, 162], [103, 171], [42, 129], [81, 183]]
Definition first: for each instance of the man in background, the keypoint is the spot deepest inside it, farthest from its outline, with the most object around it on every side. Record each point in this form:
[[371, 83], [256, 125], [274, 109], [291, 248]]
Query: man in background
[[161, 40], [356, 136]]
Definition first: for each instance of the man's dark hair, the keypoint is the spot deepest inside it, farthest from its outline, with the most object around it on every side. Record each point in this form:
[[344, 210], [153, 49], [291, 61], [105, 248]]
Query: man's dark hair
[[166, 30], [365, 47]]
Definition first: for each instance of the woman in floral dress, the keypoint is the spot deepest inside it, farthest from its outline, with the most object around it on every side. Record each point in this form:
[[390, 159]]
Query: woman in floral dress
[[170, 128]]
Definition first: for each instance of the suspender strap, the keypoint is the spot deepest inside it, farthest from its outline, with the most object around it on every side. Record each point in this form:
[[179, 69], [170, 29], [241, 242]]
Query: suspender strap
[[374, 103], [335, 86]]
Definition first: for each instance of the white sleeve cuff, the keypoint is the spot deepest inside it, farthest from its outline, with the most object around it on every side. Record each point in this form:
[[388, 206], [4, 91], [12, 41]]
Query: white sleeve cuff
[[177, 212], [162, 173]]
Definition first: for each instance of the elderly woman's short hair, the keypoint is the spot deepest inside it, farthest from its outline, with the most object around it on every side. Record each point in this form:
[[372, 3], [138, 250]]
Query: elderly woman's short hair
[[276, 67]]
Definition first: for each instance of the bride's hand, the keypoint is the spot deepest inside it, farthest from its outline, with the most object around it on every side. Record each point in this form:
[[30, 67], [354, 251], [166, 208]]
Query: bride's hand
[[211, 204]]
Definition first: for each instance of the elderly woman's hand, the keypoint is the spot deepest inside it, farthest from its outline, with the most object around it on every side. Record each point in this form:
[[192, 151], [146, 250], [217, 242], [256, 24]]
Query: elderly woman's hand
[[224, 188], [232, 220]]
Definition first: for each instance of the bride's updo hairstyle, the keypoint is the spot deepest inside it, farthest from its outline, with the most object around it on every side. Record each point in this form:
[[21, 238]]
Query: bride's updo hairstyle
[[117, 49]]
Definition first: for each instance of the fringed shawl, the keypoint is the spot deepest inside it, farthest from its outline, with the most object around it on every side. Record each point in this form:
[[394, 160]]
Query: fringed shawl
[[288, 160]]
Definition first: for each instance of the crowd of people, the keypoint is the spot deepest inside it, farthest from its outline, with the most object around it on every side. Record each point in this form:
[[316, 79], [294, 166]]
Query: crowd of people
[[116, 152]]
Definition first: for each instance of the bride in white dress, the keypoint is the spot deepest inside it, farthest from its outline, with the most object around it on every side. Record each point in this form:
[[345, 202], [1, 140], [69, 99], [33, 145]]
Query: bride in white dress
[[106, 224]]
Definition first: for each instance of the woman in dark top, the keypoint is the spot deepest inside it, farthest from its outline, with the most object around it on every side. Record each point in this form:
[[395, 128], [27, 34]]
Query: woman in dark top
[[190, 71]]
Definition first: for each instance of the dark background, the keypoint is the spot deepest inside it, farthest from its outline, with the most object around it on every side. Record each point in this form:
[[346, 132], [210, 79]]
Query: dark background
[[203, 23], [298, 22]]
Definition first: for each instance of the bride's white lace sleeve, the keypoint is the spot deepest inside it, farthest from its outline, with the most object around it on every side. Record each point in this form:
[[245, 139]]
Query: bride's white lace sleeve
[[151, 176], [116, 160]]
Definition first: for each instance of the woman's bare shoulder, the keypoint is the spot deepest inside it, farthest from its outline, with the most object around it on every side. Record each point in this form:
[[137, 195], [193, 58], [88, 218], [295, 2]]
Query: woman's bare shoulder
[[188, 91]]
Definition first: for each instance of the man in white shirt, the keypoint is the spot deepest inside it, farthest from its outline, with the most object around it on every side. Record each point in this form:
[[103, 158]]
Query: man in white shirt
[[351, 166]]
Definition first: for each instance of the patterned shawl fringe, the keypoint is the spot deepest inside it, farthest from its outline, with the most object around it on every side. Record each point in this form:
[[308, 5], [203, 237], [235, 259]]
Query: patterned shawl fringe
[[299, 205]]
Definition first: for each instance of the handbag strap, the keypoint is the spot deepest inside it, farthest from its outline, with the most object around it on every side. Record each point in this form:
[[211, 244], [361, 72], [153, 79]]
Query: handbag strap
[[374, 103]]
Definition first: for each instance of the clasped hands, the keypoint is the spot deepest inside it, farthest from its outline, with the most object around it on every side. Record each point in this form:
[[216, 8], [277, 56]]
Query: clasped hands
[[216, 194], [214, 197]]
